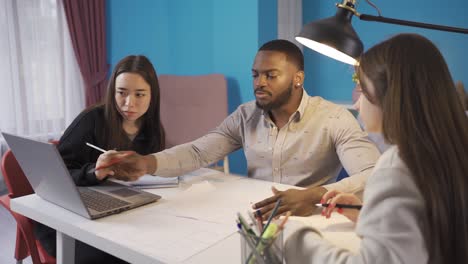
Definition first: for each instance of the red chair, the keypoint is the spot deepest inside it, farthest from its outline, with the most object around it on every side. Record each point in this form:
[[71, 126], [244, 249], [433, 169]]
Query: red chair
[[18, 185]]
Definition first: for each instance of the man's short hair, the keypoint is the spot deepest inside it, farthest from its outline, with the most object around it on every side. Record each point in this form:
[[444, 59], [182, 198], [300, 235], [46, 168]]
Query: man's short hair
[[293, 53]]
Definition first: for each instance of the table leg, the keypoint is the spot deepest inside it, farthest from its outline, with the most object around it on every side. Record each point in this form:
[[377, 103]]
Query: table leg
[[65, 249]]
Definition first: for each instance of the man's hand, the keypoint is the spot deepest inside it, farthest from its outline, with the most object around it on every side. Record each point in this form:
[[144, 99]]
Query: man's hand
[[103, 164], [298, 202], [333, 197], [125, 165]]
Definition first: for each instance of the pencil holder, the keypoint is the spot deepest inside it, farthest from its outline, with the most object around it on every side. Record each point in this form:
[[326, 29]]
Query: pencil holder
[[265, 251]]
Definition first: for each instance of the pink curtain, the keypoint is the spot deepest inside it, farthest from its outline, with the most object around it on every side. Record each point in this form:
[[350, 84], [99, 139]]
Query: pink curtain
[[87, 23]]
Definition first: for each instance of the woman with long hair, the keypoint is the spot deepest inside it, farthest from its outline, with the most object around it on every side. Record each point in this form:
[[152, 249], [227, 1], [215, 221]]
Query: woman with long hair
[[128, 119], [415, 207]]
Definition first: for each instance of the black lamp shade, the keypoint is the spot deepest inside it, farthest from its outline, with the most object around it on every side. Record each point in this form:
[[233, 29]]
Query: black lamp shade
[[333, 37]]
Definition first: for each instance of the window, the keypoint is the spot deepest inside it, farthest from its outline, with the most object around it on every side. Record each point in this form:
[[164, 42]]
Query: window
[[41, 85]]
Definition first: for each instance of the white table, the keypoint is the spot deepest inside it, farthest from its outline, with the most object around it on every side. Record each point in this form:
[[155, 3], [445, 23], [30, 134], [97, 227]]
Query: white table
[[194, 223]]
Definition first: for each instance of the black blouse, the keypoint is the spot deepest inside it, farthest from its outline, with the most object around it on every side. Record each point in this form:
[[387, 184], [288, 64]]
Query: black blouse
[[79, 158]]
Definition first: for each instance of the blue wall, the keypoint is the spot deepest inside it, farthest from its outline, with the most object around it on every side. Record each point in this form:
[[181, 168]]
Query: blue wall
[[332, 79], [267, 21], [189, 37]]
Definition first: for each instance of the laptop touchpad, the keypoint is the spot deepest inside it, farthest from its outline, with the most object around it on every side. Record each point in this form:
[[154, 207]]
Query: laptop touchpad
[[124, 192]]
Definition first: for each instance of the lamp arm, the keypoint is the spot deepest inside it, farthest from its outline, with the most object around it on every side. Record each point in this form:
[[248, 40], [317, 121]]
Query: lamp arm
[[411, 23]]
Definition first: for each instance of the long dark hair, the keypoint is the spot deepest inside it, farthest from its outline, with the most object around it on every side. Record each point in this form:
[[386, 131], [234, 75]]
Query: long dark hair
[[114, 135], [424, 118]]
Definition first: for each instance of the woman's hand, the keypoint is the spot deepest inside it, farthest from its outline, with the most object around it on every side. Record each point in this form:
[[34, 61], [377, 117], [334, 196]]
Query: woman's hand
[[102, 163], [334, 197]]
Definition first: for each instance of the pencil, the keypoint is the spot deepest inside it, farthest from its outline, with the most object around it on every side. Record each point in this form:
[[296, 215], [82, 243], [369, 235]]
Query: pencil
[[285, 219], [95, 147], [112, 161], [344, 206]]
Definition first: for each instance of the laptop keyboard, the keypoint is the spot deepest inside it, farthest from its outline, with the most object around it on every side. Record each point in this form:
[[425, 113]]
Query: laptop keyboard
[[99, 201]]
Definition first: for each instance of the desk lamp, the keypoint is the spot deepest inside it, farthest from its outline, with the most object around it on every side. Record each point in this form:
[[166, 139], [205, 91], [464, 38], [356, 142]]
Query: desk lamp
[[336, 38]]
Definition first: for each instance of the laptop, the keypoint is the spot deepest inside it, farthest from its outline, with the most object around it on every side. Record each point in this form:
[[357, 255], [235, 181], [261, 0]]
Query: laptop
[[44, 167]]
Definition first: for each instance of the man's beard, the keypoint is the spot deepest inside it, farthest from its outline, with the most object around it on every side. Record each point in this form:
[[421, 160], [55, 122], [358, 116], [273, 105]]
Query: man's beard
[[281, 100]]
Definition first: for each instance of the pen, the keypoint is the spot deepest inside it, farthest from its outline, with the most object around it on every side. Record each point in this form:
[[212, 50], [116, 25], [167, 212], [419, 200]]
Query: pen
[[95, 147], [273, 213], [281, 226], [112, 162], [245, 225], [99, 149], [344, 206], [285, 219], [262, 243], [249, 243], [265, 227]]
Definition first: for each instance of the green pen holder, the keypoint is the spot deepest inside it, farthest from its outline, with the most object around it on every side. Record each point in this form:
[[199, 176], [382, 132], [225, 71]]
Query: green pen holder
[[268, 251]]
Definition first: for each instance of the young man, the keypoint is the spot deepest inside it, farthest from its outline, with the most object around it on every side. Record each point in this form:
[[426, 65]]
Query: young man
[[287, 136]]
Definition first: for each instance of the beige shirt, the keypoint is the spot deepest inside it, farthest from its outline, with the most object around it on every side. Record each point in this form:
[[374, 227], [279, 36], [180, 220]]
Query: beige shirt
[[308, 150]]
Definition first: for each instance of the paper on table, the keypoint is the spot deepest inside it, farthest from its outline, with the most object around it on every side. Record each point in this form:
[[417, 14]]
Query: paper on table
[[200, 188], [151, 181], [216, 201], [199, 173], [167, 238]]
